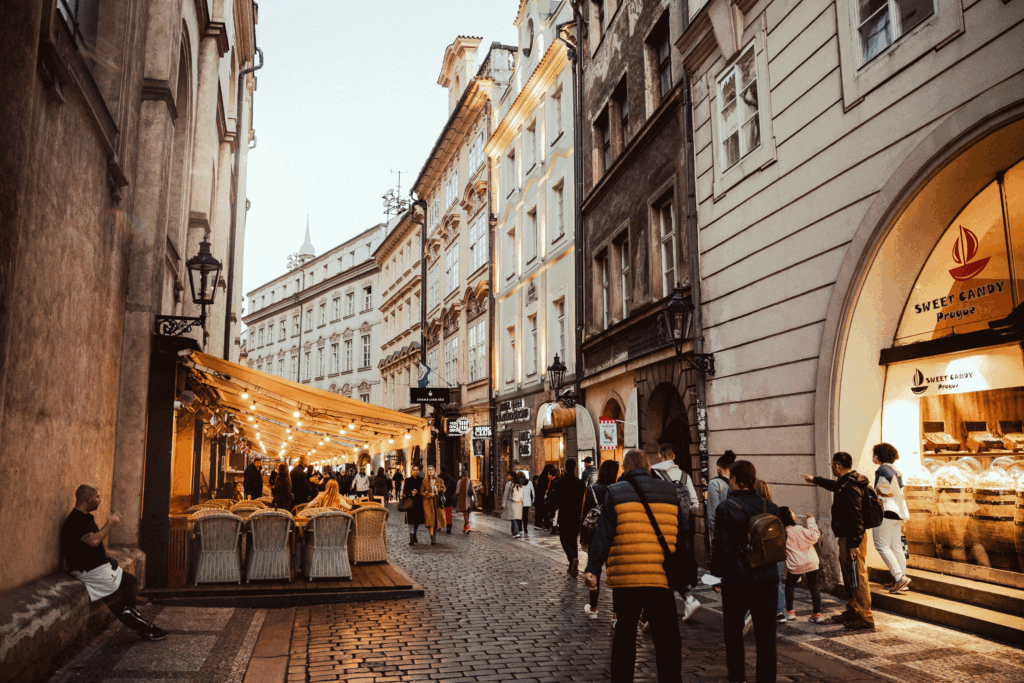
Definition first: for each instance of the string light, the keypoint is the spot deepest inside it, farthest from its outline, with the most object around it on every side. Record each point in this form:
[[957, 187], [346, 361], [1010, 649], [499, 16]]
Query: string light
[[289, 438], [320, 444], [299, 423], [252, 407], [245, 395], [250, 418], [391, 440], [408, 435], [296, 414], [342, 432], [351, 425]]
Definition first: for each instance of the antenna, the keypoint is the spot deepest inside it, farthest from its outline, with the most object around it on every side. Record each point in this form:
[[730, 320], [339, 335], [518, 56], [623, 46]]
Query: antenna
[[394, 203]]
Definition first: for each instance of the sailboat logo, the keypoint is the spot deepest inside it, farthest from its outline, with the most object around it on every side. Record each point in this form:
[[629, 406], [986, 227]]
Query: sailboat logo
[[920, 386], [964, 249]]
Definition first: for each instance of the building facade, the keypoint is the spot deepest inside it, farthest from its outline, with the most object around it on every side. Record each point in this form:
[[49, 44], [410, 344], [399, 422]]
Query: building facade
[[319, 323], [859, 202], [533, 194], [453, 183]]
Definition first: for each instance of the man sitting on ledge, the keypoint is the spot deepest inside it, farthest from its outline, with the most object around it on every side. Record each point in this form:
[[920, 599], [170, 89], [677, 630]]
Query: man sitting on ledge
[[81, 543]]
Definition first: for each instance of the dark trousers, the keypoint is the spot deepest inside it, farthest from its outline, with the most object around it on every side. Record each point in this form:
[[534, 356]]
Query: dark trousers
[[122, 603], [526, 516], [812, 585], [761, 602], [569, 538], [596, 593], [659, 607]]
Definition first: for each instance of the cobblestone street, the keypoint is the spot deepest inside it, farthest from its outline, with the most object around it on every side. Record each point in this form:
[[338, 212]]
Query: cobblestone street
[[499, 609]]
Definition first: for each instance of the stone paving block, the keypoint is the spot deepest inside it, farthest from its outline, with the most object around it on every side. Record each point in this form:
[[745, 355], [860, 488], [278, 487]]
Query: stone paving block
[[175, 653]]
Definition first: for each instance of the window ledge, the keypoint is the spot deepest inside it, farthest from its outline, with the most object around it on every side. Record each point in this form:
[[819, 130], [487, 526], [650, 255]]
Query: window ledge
[[558, 137], [559, 237]]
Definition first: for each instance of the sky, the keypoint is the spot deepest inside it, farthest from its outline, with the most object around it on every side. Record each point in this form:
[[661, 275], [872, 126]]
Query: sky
[[348, 93]]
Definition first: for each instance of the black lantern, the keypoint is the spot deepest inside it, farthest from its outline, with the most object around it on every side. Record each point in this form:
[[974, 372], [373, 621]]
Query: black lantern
[[556, 374], [203, 275], [677, 319]]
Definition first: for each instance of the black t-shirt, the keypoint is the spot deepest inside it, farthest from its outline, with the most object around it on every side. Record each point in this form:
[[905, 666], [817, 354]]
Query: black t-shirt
[[80, 556]]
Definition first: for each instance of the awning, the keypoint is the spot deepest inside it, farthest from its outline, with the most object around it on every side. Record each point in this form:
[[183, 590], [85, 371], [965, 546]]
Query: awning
[[286, 419]]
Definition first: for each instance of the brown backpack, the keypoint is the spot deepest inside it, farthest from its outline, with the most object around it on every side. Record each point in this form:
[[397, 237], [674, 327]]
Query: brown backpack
[[766, 538]]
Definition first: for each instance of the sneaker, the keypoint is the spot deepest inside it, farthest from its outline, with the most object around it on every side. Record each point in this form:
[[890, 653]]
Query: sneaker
[[859, 624], [817, 619], [781, 617], [690, 607], [888, 586], [590, 611], [843, 617], [901, 585], [154, 633], [791, 615], [516, 535], [748, 621]]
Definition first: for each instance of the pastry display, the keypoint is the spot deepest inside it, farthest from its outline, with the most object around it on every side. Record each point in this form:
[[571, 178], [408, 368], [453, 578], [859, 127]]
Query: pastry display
[[969, 462], [954, 476], [936, 438], [1016, 470], [979, 438], [1012, 432], [1004, 462], [919, 477], [994, 478], [931, 464]]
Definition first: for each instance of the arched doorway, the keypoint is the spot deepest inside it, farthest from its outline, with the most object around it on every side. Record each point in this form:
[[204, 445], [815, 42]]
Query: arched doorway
[[612, 411], [667, 423]]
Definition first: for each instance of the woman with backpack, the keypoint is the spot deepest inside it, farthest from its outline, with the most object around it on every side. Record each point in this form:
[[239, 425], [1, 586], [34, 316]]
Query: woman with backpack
[[888, 538], [512, 504], [801, 560], [596, 492]]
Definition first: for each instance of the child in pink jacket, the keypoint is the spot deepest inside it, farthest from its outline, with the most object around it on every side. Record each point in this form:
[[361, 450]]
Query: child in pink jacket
[[801, 560]]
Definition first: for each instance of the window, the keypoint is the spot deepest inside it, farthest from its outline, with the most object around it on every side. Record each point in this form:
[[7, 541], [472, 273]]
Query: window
[[323, 313], [366, 350], [348, 355], [270, 333], [622, 102], [435, 211], [556, 106], [531, 237], [667, 230], [367, 298], [271, 296], [263, 302], [365, 398], [309, 319], [510, 253], [394, 390], [295, 325], [603, 137], [530, 143], [513, 180], [624, 269], [350, 303], [478, 242], [433, 277], [334, 359], [451, 361], [880, 23], [384, 383], [510, 355], [319, 362], [477, 352], [532, 321], [659, 59], [432, 364], [387, 276], [337, 308], [82, 17], [283, 327], [451, 269], [451, 188], [560, 328], [327, 271], [387, 332], [295, 369], [306, 361], [476, 153], [259, 368], [280, 368], [739, 125], [605, 285], [596, 22], [261, 336], [408, 314]]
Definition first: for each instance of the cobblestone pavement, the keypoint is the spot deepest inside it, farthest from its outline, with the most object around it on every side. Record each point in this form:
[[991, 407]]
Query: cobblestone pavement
[[499, 609]]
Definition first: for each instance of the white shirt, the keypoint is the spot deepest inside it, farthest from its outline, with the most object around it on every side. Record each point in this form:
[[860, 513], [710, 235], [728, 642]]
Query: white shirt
[[676, 474]]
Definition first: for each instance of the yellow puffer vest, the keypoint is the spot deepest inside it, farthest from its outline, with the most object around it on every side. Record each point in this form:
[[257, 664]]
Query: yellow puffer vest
[[635, 559]]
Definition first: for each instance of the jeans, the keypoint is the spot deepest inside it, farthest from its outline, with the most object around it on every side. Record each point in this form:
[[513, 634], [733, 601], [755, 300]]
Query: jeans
[[659, 607], [860, 597], [812, 585], [761, 602], [526, 517], [888, 540], [596, 593], [782, 591], [517, 526]]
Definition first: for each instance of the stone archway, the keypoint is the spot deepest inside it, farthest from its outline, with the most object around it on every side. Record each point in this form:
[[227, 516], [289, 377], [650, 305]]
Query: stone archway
[[667, 423]]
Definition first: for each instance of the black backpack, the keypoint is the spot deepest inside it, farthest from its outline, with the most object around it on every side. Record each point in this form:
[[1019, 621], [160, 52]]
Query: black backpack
[[871, 508], [682, 492]]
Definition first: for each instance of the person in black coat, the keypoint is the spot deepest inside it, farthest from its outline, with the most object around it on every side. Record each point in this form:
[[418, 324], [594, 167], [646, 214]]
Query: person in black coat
[[415, 515], [300, 484], [542, 514], [252, 480], [595, 496], [449, 488], [567, 494]]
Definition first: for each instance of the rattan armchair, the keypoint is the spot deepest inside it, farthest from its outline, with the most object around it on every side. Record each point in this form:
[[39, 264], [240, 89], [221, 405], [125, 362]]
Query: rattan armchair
[[326, 544], [267, 552], [222, 503], [248, 505], [368, 541], [218, 535]]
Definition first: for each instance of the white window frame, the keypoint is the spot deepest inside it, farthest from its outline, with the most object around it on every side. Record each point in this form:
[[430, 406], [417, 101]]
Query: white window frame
[[605, 284], [368, 298], [478, 243], [556, 99], [433, 286], [668, 242], [323, 313], [348, 355], [270, 333], [510, 354], [295, 325], [534, 345], [308, 362], [334, 359], [295, 368], [451, 268], [558, 204], [451, 360], [309, 319], [624, 282], [350, 304], [280, 368], [477, 351], [337, 307], [532, 237], [283, 329], [319, 362], [510, 253], [559, 305], [366, 351]]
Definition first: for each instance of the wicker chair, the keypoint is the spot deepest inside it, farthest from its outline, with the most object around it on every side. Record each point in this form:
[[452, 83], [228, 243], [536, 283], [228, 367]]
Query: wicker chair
[[217, 546], [267, 554], [248, 505], [369, 539], [267, 493], [266, 500], [223, 503], [326, 547]]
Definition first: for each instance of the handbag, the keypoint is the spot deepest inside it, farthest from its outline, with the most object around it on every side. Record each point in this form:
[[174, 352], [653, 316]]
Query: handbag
[[590, 521], [405, 504], [680, 569]]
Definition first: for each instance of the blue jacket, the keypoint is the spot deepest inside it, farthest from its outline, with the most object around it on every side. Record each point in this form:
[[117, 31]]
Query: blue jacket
[[730, 540]]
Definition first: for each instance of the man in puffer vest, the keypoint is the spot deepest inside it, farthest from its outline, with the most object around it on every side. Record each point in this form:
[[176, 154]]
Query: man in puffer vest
[[625, 538]]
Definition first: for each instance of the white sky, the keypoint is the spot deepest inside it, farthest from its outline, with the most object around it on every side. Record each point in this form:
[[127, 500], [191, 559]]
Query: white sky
[[348, 93]]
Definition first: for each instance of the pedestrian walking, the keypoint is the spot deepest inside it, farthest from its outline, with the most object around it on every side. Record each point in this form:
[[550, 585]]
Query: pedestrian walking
[[567, 493], [801, 560], [361, 484], [529, 496], [512, 504], [589, 475], [595, 497], [81, 543], [380, 484], [432, 491], [718, 488], [282, 490], [397, 479], [888, 538], [746, 586], [300, 483], [762, 489], [668, 470], [414, 515], [449, 488], [635, 512], [465, 499], [542, 515], [849, 489], [253, 479]]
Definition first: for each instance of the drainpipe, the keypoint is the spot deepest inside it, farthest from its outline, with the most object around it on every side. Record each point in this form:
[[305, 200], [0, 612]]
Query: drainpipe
[[492, 223], [422, 203], [232, 235], [694, 254]]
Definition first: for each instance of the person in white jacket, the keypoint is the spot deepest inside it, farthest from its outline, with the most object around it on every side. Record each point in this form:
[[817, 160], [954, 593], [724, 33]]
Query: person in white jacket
[[888, 538], [801, 560], [668, 469], [529, 495]]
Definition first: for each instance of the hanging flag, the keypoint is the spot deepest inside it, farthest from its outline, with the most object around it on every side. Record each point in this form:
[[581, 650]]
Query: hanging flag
[[423, 377]]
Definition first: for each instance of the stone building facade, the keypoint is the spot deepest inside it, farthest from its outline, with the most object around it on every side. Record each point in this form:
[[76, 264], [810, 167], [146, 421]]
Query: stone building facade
[[533, 194], [453, 182], [118, 159]]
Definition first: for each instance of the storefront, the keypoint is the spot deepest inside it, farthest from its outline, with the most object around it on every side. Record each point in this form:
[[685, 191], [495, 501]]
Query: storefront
[[928, 357]]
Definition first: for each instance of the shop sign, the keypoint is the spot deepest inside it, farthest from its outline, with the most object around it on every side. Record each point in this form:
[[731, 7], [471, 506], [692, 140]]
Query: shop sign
[[525, 443], [609, 433], [513, 411], [482, 432], [440, 395], [966, 279], [478, 447], [974, 371], [459, 426]]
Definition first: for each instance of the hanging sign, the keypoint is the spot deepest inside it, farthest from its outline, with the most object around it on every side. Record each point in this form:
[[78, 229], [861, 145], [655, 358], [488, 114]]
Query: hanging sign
[[994, 368], [440, 395], [459, 426], [482, 432], [609, 432], [513, 411]]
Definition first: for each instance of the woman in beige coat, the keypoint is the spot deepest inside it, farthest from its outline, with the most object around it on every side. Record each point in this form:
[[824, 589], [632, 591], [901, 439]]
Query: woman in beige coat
[[433, 502]]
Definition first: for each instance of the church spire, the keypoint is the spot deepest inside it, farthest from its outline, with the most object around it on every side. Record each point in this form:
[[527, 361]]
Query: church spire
[[307, 246]]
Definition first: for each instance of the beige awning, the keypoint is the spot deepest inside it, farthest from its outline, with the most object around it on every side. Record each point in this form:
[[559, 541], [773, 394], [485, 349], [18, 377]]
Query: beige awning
[[281, 418]]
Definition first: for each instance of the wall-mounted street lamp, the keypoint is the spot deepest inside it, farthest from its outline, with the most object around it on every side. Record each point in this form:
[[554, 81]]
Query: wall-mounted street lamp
[[556, 377], [677, 319], [203, 275]]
